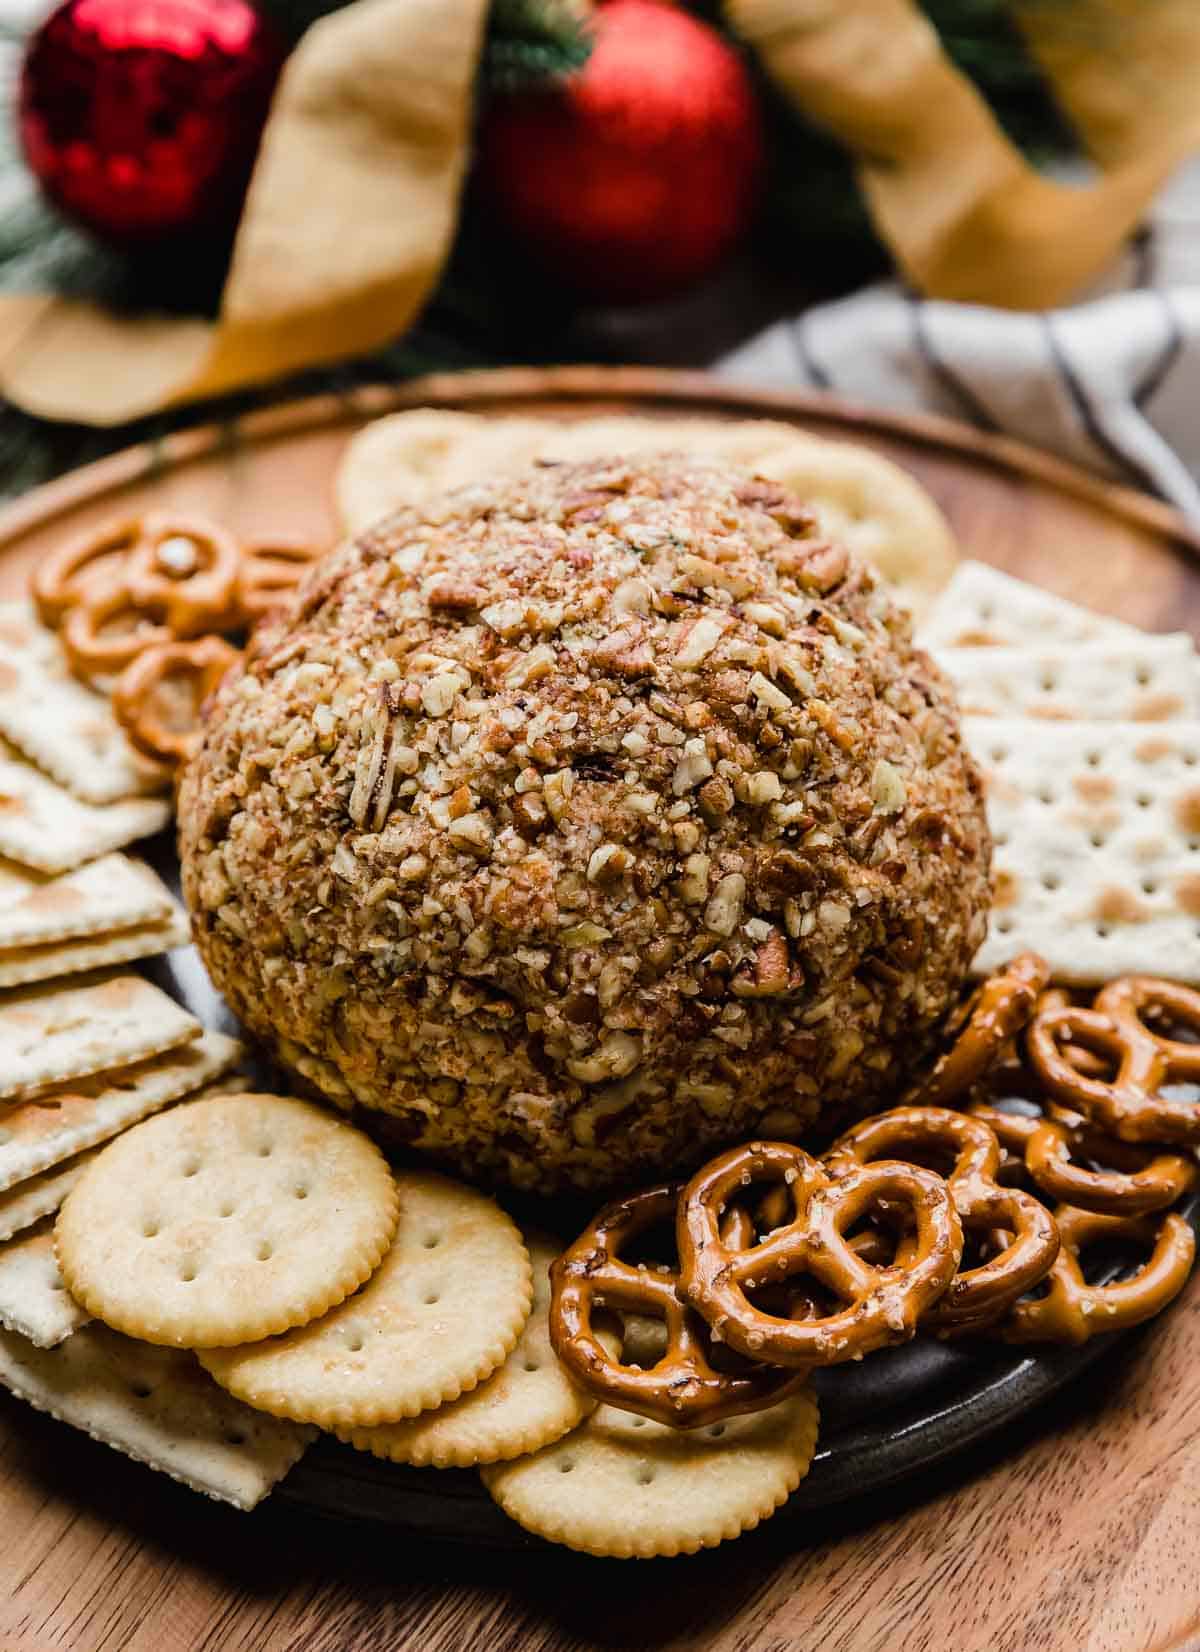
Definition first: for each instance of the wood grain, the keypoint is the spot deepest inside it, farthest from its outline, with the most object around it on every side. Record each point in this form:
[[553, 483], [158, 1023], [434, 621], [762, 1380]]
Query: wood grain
[[1075, 1531]]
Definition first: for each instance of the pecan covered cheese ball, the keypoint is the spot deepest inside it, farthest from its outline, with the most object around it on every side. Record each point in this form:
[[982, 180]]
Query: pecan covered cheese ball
[[585, 821]]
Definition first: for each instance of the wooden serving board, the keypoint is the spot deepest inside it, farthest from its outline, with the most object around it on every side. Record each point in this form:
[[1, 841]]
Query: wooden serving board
[[1084, 1541]]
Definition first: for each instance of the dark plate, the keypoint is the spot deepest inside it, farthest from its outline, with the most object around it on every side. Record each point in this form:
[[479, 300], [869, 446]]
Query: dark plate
[[882, 1421]]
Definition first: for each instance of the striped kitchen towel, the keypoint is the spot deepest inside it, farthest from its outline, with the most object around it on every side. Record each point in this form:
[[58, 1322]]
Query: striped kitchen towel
[[1113, 382]]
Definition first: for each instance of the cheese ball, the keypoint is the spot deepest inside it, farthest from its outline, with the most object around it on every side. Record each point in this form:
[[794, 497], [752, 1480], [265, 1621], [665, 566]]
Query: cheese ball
[[586, 821]]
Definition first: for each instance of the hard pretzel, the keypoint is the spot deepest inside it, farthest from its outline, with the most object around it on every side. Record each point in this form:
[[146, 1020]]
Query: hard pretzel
[[684, 1388], [173, 577], [59, 580], [1122, 1180], [981, 1295], [882, 1304], [1073, 1311], [980, 1030], [188, 570], [107, 630], [270, 571], [1131, 1105], [198, 666]]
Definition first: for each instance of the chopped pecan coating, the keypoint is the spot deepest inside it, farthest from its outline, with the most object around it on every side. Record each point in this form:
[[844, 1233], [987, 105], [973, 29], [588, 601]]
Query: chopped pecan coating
[[585, 821]]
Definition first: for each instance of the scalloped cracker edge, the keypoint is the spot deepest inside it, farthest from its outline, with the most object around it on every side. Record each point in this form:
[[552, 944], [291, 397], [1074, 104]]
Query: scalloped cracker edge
[[527, 1402], [226, 1220], [443, 1311], [860, 498], [626, 1487]]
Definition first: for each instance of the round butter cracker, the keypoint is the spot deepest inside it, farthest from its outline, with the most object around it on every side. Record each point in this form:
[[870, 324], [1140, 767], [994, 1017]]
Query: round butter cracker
[[443, 1311], [626, 1487], [527, 1403], [226, 1220]]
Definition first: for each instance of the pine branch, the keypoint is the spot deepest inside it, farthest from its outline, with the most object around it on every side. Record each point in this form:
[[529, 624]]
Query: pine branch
[[533, 43]]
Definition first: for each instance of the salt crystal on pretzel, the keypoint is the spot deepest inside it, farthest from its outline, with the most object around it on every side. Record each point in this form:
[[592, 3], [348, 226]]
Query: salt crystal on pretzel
[[983, 1294], [875, 1307], [683, 1387]]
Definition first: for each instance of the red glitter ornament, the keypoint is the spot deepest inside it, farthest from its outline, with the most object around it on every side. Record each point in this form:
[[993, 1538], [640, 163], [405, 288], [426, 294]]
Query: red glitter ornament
[[640, 175], [141, 118]]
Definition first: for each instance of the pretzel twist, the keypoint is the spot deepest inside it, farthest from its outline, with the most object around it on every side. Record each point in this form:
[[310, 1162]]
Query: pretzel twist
[[1122, 1179], [60, 579], [1130, 1105], [188, 570], [167, 577], [96, 647], [1072, 1311], [196, 667], [981, 1030], [684, 1387], [270, 571], [981, 1295], [882, 1304]]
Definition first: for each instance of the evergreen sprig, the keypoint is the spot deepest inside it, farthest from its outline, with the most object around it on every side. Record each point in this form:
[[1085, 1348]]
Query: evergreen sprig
[[532, 43]]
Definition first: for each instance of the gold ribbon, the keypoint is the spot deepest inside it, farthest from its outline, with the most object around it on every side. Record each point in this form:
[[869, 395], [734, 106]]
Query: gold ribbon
[[355, 194], [965, 215], [346, 227]]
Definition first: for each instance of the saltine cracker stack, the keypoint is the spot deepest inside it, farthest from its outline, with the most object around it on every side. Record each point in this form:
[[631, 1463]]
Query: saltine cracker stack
[[1088, 734]]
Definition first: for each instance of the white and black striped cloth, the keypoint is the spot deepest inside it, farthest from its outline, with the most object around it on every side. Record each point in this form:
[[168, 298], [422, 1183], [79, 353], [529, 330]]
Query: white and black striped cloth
[[1113, 382]]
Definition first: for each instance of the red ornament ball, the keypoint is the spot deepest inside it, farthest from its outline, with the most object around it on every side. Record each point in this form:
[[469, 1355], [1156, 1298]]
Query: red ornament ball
[[640, 175], [141, 118]]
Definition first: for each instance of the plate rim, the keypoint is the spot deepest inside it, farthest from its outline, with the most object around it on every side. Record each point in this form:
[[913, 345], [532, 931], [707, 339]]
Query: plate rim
[[506, 388], [954, 1421]]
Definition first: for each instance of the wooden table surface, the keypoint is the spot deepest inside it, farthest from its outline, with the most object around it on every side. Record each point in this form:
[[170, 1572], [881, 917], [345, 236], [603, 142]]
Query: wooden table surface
[[1074, 1532], [1077, 1530]]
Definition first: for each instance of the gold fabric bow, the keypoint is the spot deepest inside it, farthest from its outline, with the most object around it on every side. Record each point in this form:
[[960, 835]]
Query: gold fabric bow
[[355, 195]]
